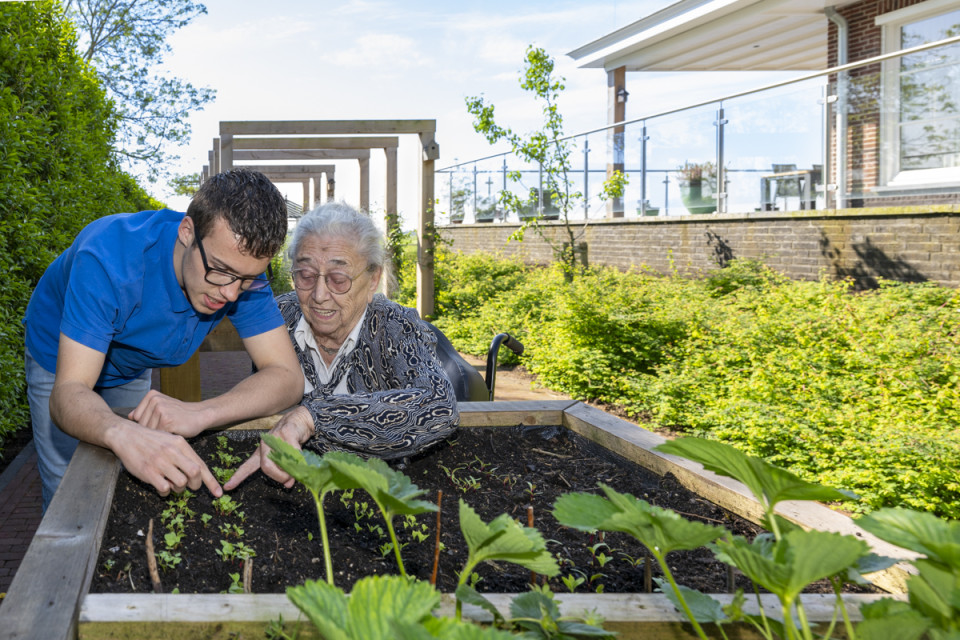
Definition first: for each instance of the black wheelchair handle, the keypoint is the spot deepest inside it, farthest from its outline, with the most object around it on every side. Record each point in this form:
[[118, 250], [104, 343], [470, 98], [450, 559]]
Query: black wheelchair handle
[[501, 339]]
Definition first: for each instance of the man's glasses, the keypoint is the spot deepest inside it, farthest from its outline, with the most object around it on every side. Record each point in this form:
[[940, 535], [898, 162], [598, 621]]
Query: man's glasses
[[336, 281], [223, 278]]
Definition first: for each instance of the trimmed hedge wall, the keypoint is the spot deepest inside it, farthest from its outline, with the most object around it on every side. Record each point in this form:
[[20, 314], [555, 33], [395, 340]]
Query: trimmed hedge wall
[[58, 170]]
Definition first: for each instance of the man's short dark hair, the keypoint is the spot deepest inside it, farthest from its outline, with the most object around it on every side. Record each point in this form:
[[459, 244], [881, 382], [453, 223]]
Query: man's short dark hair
[[252, 206]]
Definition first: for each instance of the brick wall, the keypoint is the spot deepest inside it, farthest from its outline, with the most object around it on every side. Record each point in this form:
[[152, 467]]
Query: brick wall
[[863, 139], [908, 245]]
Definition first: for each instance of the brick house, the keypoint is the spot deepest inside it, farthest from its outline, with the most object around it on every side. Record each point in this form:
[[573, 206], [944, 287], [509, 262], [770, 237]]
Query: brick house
[[897, 121]]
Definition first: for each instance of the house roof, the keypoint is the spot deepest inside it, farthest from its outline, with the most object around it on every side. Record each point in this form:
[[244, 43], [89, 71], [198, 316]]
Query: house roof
[[718, 35]]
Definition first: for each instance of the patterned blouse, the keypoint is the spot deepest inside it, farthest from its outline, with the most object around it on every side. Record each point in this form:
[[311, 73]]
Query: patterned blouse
[[400, 398]]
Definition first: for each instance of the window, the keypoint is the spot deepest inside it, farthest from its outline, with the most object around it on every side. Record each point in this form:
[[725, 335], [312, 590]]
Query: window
[[921, 120]]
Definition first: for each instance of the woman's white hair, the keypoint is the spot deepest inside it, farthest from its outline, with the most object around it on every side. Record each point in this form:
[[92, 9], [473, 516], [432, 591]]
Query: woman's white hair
[[340, 220]]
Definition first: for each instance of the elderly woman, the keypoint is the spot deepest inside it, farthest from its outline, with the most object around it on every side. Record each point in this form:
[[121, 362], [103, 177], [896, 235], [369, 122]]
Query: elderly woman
[[373, 382]]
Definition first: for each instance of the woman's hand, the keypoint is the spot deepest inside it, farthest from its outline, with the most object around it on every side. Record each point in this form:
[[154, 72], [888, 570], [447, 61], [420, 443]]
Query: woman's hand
[[294, 428]]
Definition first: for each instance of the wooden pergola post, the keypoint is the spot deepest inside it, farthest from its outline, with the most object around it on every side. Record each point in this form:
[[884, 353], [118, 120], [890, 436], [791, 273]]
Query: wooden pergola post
[[616, 112]]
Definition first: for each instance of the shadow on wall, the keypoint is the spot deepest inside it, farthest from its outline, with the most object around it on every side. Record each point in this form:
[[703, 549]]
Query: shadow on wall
[[722, 252], [872, 263]]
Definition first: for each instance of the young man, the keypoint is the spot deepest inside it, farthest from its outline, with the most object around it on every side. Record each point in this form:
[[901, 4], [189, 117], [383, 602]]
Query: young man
[[142, 290]]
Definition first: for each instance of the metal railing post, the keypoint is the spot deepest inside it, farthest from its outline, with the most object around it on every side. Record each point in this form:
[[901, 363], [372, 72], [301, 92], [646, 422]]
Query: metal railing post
[[586, 178], [540, 194], [826, 174], [474, 190], [721, 171], [643, 169]]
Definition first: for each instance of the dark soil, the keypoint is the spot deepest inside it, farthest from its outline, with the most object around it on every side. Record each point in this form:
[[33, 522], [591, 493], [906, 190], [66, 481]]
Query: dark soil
[[495, 470]]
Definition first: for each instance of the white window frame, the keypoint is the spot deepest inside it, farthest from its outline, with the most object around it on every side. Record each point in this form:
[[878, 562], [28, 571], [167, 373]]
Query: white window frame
[[890, 173]]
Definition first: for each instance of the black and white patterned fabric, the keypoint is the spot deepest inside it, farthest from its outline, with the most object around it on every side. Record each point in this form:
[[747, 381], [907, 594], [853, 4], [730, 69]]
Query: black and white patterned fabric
[[400, 400]]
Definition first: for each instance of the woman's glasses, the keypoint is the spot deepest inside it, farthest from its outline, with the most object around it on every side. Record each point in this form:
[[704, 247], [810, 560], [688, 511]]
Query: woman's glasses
[[336, 281]]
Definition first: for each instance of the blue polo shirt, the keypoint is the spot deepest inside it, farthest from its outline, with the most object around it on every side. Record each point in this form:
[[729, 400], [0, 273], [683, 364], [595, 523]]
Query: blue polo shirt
[[115, 290]]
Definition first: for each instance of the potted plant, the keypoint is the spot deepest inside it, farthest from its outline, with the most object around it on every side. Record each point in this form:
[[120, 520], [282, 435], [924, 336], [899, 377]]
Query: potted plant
[[486, 209], [698, 185]]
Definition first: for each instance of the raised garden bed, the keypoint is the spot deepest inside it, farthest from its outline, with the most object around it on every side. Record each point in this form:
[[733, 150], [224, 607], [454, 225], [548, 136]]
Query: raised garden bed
[[50, 596]]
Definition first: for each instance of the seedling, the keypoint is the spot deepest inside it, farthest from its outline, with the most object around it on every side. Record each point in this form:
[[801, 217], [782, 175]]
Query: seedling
[[221, 474], [239, 551], [235, 586], [502, 539], [168, 560], [391, 490], [315, 474], [205, 518], [599, 557], [172, 539], [231, 530], [225, 505], [571, 582]]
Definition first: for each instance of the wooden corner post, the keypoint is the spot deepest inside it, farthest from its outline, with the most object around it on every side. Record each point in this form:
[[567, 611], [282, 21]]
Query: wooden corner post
[[425, 227]]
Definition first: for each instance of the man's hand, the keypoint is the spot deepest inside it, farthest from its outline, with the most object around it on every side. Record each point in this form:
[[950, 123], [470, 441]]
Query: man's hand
[[295, 428], [163, 413], [161, 459]]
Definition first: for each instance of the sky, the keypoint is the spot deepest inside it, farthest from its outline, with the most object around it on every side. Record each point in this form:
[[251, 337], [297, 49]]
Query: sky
[[400, 59]]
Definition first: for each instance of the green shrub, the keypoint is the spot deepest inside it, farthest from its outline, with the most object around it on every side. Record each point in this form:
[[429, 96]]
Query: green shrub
[[57, 168], [858, 391]]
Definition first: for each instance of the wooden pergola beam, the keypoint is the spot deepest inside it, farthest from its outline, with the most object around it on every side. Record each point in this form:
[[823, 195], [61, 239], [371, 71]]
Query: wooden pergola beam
[[326, 142], [246, 155], [328, 127], [314, 135]]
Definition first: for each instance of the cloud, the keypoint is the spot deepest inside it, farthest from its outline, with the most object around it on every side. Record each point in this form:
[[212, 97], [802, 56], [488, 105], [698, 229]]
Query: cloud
[[381, 51]]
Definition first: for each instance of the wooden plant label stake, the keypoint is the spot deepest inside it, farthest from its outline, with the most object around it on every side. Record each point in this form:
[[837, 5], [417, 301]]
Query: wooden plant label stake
[[152, 561]]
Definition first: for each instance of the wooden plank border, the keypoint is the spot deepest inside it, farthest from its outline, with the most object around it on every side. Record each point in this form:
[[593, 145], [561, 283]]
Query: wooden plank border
[[632, 616], [636, 444], [57, 569]]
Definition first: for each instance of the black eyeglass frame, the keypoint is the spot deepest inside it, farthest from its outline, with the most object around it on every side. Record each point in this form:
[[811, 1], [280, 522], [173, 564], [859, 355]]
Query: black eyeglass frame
[[326, 280], [256, 283]]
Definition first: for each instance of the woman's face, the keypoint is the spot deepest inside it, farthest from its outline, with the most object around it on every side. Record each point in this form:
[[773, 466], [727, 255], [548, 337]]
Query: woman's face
[[332, 316]]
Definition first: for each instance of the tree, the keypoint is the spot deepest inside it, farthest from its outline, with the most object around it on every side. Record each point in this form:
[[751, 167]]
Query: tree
[[546, 149], [184, 184], [125, 40]]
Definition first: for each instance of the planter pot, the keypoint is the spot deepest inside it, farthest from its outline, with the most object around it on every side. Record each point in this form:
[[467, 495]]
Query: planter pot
[[651, 211], [49, 596], [698, 197]]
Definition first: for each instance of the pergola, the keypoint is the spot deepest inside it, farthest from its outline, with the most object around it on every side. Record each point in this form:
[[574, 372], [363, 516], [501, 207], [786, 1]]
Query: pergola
[[301, 140]]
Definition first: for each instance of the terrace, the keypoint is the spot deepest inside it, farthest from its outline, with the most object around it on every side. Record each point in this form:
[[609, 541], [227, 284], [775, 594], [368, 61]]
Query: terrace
[[882, 131]]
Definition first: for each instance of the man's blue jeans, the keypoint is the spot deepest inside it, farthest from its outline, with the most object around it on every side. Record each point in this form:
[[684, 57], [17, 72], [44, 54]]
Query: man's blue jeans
[[54, 447]]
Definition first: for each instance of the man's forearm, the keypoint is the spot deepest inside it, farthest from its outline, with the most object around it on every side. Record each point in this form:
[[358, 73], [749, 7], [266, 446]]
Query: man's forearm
[[80, 412], [268, 391]]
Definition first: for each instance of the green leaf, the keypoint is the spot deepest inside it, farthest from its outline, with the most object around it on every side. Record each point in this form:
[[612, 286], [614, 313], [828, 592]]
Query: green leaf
[[658, 529], [375, 602], [889, 619], [535, 605], [504, 539], [786, 566], [703, 607], [935, 592], [393, 491], [374, 605], [768, 483], [466, 593], [924, 533], [306, 467], [325, 605]]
